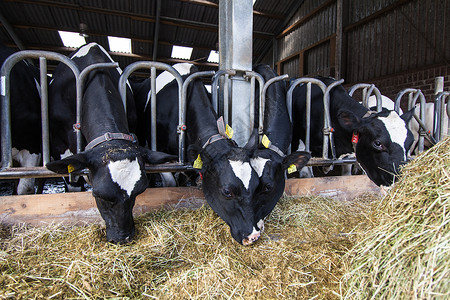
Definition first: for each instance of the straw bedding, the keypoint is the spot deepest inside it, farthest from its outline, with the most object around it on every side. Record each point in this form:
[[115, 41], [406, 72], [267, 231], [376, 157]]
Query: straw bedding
[[312, 248], [407, 255], [187, 254]]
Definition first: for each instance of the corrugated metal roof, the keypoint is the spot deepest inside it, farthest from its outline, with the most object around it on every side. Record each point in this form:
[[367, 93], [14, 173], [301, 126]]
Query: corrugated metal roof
[[183, 22]]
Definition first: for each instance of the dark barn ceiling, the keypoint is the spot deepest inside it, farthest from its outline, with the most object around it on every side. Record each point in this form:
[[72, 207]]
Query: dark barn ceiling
[[192, 23]]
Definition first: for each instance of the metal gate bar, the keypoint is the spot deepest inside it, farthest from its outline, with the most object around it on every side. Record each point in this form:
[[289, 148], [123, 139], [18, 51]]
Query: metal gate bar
[[9, 63], [153, 66], [368, 89], [413, 95], [439, 114]]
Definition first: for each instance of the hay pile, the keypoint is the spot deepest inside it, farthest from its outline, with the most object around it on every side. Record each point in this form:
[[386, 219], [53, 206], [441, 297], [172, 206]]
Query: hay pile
[[407, 256], [188, 254]]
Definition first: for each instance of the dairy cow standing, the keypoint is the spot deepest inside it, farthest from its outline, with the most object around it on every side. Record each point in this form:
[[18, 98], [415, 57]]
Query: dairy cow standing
[[381, 140], [270, 159], [25, 107], [115, 161], [229, 182]]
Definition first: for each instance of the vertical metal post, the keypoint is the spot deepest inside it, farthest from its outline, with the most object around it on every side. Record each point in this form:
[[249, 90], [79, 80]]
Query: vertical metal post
[[235, 50], [438, 129], [153, 108], [44, 111]]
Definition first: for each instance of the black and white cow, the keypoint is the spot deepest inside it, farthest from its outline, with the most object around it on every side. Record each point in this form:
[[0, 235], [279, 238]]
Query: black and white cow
[[25, 106], [381, 140], [115, 161], [229, 182], [270, 159]]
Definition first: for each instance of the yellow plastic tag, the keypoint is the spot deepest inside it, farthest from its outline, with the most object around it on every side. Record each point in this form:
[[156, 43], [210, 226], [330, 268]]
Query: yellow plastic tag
[[229, 131], [292, 169], [198, 164], [265, 141], [70, 168]]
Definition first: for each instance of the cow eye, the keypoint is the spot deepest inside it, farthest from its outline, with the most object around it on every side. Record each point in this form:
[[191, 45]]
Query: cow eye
[[378, 145], [227, 193], [268, 188]]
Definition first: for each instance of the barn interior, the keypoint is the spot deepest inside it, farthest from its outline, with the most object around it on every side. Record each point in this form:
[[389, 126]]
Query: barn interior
[[394, 44]]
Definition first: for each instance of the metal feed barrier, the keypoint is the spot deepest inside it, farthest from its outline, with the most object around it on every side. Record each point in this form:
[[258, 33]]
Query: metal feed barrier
[[328, 139], [8, 172], [367, 90]]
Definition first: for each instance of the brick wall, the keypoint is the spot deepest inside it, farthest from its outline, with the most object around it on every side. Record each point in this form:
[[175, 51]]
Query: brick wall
[[423, 79]]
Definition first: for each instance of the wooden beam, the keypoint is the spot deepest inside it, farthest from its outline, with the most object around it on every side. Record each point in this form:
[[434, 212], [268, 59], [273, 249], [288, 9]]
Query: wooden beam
[[76, 208]]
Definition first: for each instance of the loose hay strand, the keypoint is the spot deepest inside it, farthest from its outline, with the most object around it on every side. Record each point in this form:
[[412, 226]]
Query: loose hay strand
[[407, 255]]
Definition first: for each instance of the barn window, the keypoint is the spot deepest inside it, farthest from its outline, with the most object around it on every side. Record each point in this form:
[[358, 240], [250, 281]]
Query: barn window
[[213, 56], [118, 44], [181, 52], [72, 39]]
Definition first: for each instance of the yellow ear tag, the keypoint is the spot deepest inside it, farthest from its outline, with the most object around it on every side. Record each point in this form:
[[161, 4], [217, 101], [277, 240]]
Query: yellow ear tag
[[265, 141], [198, 164], [292, 169], [70, 168], [229, 131]]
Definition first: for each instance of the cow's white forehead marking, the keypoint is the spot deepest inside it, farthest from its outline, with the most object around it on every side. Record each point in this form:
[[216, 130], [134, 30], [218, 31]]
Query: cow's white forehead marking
[[243, 171], [396, 128], [166, 77], [66, 154], [258, 164], [125, 173]]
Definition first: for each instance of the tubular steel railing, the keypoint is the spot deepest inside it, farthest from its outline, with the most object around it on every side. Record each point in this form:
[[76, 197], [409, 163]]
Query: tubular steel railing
[[367, 90], [413, 96], [439, 115]]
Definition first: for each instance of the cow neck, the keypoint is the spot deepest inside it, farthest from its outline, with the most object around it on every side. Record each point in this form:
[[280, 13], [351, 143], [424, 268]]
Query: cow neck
[[104, 113]]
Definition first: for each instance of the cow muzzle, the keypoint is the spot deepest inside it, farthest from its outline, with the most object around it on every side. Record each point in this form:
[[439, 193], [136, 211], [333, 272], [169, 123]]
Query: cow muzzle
[[251, 238]]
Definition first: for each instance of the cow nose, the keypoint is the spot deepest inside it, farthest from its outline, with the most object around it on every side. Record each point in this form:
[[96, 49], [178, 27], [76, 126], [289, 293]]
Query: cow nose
[[251, 238]]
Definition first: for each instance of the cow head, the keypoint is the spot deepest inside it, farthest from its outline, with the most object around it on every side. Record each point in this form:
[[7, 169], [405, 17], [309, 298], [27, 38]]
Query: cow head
[[271, 167], [381, 141], [117, 174], [269, 159], [229, 184]]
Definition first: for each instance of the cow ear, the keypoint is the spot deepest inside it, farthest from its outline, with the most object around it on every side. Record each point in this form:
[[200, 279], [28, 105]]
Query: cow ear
[[407, 116], [156, 157], [348, 120], [252, 143], [73, 163], [297, 158]]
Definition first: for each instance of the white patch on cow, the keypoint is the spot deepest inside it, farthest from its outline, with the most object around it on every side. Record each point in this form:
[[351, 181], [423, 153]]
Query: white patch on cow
[[396, 128], [83, 51], [67, 153], [258, 165], [166, 77], [125, 173], [260, 225], [26, 159], [243, 171]]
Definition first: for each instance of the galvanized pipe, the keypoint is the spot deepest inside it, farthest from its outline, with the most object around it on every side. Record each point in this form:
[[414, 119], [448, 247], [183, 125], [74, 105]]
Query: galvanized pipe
[[5, 93], [153, 129], [183, 108], [327, 129], [413, 95], [44, 111], [215, 80], [439, 116], [315, 81], [253, 75], [152, 65], [368, 89]]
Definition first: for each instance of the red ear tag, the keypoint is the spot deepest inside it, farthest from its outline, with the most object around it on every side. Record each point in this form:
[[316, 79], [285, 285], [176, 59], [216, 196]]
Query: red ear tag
[[201, 175], [355, 137]]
